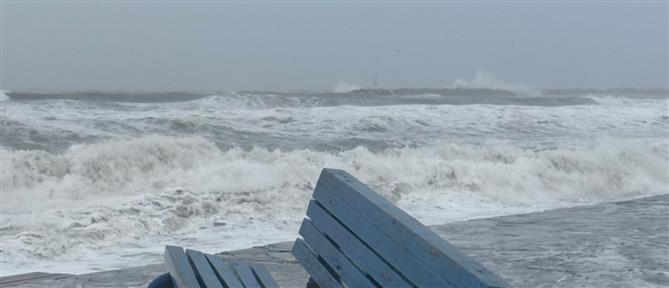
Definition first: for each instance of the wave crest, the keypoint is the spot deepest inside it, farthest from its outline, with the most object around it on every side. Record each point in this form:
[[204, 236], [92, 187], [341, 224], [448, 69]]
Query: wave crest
[[3, 95], [152, 163], [156, 189]]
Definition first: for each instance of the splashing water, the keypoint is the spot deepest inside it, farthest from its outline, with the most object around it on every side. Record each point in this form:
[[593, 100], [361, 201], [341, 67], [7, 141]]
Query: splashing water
[[97, 185]]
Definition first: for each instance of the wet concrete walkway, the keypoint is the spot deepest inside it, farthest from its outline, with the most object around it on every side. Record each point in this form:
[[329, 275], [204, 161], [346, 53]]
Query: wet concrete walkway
[[622, 244]]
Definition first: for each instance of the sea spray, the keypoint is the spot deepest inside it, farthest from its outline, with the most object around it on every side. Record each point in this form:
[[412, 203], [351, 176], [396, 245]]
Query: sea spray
[[106, 182], [3, 95], [153, 190]]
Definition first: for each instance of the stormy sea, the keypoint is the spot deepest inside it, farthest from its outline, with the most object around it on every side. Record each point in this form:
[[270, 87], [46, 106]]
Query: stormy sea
[[100, 180]]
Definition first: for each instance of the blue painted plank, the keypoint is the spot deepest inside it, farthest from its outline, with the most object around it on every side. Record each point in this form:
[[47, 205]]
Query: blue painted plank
[[314, 266], [224, 272], [243, 270], [437, 254], [396, 255], [179, 267], [263, 275], [354, 248], [203, 270], [348, 273]]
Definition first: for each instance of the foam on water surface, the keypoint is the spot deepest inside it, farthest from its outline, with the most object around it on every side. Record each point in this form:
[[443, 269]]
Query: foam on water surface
[[127, 199], [99, 185]]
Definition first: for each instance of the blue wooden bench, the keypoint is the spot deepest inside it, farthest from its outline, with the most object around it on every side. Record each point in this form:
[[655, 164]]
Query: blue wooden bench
[[353, 237], [193, 269]]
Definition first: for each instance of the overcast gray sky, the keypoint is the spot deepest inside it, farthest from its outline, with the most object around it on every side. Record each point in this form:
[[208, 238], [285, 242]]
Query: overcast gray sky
[[209, 46]]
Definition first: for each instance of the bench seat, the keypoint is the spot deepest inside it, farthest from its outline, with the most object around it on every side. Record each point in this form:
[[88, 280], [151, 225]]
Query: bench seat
[[351, 237], [192, 269]]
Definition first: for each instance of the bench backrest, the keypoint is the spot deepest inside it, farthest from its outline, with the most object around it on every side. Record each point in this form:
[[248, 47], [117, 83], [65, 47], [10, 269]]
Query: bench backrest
[[353, 236]]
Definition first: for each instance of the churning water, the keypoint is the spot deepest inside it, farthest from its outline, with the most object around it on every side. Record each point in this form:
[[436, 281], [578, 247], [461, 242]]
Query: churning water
[[102, 180]]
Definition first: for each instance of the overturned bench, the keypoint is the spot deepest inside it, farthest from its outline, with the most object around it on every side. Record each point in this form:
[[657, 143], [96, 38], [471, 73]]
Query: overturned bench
[[353, 237]]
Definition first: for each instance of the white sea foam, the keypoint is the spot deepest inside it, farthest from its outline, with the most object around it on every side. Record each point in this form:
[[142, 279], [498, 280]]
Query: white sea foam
[[3, 95], [229, 121], [108, 204], [83, 187], [344, 87]]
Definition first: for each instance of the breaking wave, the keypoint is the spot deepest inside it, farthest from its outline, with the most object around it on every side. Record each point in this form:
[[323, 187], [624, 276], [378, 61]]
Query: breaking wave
[[3, 95], [140, 194], [463, 93], [486, 80], [155, 163], [84, 188], [344, 87]]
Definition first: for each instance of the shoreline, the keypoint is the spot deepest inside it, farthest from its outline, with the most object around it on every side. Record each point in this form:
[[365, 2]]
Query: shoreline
[[615, 244]]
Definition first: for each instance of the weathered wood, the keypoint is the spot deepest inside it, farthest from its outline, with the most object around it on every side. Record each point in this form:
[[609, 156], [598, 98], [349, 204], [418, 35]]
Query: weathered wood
[[204, 272], [437, 255], [192, 269], [264, 276], [243, 270], [179, 267], [317, 269], [224, 272], [354, 248], [347, 271], [397, 256]]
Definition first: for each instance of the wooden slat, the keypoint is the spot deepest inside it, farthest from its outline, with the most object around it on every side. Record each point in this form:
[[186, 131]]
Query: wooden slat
[[203, 269], [224, 272], [354, 249], [437, 254], [342, 266], [396, 255], [243, 270], [263, 275], [314, 266], [179, 267]]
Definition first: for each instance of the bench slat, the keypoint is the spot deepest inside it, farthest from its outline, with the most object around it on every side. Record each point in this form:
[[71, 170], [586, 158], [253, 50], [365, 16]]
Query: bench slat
[[264, 276], [437, 254], [224, 272], [347, 271], [314, 266], [203, 269], [179, 267], [397, 256], [354, 249], [243, 270]]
